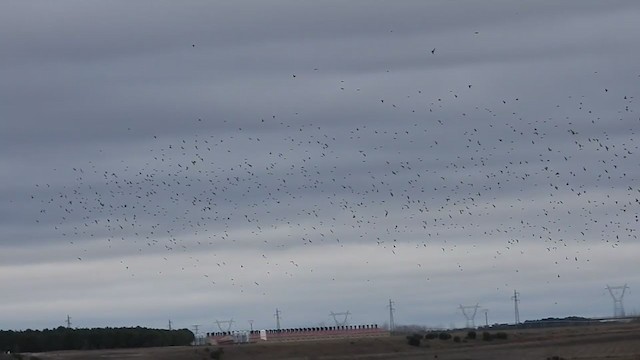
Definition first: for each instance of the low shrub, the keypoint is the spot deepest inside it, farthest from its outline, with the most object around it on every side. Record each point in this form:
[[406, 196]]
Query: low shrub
[[487, 336], [471, 335], [501, 335], [456, 339], [444, 336], [431, 335], [414, 340], [216, 354]]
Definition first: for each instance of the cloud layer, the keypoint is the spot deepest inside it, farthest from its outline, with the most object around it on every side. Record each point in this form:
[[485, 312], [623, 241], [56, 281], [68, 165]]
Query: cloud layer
[[208, 162]]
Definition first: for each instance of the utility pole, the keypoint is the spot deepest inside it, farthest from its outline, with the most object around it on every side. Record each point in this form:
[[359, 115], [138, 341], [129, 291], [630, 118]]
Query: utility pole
[[277, 315], [392, 325], [516, 300], [486, 317], [196, 338], [68, 322]]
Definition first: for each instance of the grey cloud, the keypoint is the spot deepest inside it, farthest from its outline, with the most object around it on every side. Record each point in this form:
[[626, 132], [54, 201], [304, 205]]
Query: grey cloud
[[380, 174]]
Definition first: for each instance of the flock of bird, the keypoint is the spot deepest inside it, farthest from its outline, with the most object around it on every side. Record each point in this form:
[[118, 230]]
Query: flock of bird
[[427, 175]]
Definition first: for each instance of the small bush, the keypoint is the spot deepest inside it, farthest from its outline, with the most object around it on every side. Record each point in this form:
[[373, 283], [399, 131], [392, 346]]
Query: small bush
[[501, 335], [414, 340], [216, 354], [471, 335], [431, 335], [456, 339], [487, 336], [444, 336]]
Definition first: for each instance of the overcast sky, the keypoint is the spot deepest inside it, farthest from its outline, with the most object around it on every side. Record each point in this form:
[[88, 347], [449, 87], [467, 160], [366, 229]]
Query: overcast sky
[[206, 161]]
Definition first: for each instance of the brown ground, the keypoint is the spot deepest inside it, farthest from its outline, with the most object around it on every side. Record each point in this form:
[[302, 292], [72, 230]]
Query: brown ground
[[610, 341]]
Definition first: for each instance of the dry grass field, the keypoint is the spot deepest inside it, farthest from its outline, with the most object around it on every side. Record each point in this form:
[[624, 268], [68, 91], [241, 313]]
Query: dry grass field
[[607, 341]]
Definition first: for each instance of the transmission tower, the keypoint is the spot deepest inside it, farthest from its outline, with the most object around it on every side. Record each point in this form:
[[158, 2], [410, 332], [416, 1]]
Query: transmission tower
[[68, 322], [251, 324], [470, 316], [617, 293], [228, 324], [277, 315], [392, 324], [345, 320], [516, 300], [169, 324]]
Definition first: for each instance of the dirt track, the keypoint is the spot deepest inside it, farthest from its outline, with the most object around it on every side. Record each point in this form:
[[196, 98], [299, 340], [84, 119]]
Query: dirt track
[[618, 342]]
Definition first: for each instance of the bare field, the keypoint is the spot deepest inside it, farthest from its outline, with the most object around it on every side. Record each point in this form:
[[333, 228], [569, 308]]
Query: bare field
[[610, 341]]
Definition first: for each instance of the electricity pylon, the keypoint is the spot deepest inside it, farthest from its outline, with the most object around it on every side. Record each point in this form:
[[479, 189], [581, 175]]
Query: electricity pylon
[[345, 320], [617, 293], [470, 316]]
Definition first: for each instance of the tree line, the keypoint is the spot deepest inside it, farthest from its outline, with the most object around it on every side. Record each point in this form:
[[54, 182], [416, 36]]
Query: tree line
[[63, 338]]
